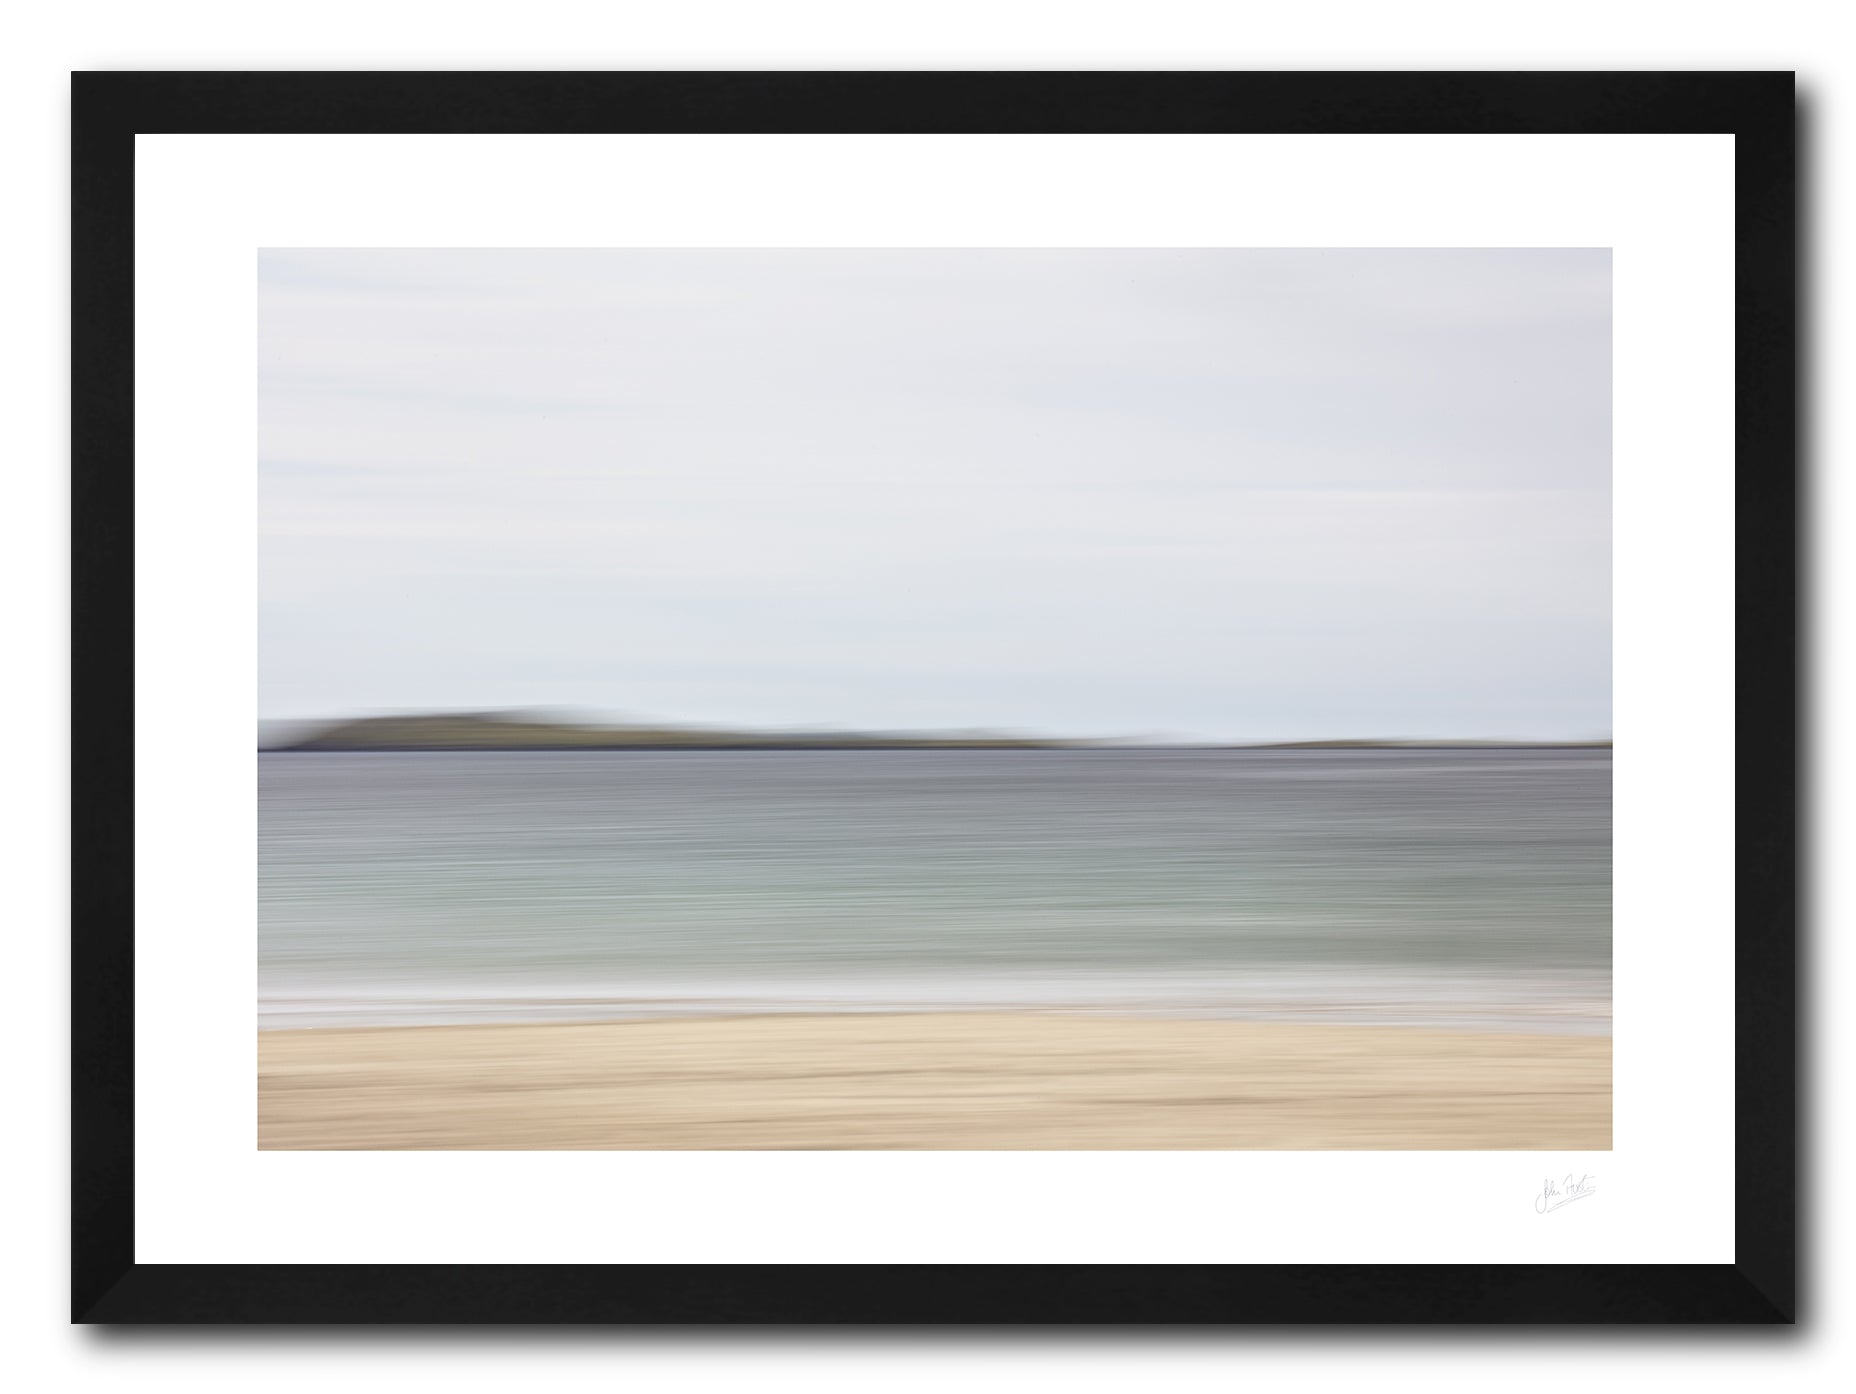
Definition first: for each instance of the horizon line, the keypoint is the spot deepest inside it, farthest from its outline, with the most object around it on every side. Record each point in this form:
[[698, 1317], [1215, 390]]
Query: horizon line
[[564, 718]]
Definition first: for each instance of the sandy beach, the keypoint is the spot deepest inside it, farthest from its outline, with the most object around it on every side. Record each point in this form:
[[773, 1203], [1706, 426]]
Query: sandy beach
[[930, 1082]]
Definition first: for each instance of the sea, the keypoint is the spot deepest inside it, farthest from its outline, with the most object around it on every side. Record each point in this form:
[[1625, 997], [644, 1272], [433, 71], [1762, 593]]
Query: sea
[[1465, 888]]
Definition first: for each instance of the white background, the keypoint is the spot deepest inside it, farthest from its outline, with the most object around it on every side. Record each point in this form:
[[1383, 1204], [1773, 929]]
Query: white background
[[204, 203], [1616, 35]]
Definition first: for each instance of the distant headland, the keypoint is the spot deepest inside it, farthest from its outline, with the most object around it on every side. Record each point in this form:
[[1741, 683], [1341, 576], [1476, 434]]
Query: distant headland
[[520, 731], [464, 731]]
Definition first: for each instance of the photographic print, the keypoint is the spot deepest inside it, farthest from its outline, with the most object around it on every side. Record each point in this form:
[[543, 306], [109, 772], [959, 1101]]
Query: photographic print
[[913, 622], [934, 699]]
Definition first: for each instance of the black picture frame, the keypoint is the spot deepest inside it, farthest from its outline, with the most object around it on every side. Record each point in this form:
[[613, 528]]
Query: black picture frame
[[110, 108]]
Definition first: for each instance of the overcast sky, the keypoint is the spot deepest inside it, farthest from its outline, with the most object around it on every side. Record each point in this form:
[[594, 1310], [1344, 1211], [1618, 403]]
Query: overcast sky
[[1226, 494]]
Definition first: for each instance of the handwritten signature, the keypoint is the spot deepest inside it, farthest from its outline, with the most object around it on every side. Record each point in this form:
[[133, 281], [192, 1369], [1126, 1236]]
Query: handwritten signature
[[1552, 1197]]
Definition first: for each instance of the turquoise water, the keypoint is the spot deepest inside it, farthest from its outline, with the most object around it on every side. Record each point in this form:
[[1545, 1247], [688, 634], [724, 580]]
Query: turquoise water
[[1468, 887]]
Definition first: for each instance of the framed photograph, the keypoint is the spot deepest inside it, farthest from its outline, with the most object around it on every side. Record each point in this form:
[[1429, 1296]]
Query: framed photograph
[[933, 697]]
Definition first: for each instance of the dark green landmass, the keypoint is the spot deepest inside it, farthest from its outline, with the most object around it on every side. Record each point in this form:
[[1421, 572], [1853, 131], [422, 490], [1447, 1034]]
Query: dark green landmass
[[513, 731], [527, 731]]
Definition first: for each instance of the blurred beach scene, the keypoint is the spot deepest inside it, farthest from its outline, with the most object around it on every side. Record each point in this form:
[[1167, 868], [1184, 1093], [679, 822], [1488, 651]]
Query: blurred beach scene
[[960, 914], [1148, 699]]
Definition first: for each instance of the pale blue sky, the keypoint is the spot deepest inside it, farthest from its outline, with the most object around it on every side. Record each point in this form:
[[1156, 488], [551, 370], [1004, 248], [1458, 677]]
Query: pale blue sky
[[1214, 493]]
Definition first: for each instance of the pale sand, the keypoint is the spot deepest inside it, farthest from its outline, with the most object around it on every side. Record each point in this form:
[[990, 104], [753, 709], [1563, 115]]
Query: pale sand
[[930, 1083], [957, 1081]]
